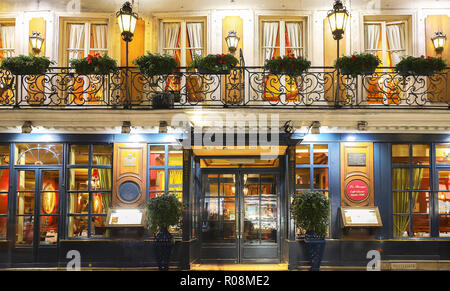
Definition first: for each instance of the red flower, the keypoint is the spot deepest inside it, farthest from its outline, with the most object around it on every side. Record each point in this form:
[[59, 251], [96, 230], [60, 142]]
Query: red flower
[[353, 58], [422, 56]]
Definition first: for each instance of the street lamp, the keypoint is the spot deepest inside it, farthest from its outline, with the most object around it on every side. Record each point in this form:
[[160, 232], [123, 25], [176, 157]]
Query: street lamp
[[127, 23], [439, 41], [337, 18], [232, 41], [36, 41]]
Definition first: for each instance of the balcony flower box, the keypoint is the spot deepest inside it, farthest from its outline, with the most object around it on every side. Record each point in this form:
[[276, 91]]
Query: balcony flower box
[[413, 66], [94, 65], [214, 63], [357, 64], [287, 65], [26, 65], [152, 65]]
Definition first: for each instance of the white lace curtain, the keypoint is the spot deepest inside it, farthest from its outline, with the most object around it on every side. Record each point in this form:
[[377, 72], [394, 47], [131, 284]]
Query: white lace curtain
[[194, 31], [76, 41], [7, 36], [396, 40], [372, 38], [270, 39], [294, 38], [171, 34], [100, 38]]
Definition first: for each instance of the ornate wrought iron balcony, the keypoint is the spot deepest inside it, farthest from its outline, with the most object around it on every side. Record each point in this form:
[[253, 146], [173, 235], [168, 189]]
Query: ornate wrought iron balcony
[[252, 87]]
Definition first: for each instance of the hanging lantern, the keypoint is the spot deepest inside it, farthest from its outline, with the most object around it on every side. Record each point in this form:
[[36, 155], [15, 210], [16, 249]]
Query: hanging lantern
[[36, 41], [127, 21], [232, 41], [439, 41], [337, 18]]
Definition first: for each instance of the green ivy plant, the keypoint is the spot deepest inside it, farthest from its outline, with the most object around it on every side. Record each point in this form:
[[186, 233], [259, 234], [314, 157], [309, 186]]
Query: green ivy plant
[[94, 64], [26, 65], [357, 64], [311, 212], [287, 65], [420, 66], [155, 64], [214, 63], [163, 211]]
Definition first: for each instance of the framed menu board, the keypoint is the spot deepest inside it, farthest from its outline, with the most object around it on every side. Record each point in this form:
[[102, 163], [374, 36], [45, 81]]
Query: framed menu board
[[125, 217], [361, 216]]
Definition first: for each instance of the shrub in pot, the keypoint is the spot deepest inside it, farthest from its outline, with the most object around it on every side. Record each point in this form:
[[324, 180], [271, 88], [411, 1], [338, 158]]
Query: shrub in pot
[[287, 65], [162, 212], [94, 65], [214, 63], [420, 66], [26, 65], [152, 65], [311, 212], [357, 64]]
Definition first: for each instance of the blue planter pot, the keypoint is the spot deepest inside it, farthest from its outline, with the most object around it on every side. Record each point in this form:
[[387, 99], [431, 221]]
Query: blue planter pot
[[315, 248], [163, 249]]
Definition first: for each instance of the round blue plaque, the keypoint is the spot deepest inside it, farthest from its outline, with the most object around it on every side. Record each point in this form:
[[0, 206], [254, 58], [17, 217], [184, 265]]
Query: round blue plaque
[[129, 192]]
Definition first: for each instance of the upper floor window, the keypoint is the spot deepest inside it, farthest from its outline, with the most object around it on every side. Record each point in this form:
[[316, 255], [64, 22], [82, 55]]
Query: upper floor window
[[183, 39], [81, 38], [7, 39], [282, 37]]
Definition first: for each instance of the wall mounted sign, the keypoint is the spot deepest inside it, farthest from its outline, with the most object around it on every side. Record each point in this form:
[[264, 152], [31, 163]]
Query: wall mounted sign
[[356, 159], [125, 217], [129, 161], [357, 190], [361, 217]]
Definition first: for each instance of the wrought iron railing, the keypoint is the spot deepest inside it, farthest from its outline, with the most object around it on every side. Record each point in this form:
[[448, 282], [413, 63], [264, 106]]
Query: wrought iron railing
[[320, 88]]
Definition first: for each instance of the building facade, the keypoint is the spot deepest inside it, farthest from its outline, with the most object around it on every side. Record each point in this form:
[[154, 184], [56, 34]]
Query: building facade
[[234, 148]]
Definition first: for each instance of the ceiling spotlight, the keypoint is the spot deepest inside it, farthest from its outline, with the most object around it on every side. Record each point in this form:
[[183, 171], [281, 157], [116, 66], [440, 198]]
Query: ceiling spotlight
[[362, 125], [289, 127], [126, 127], [27, 127], [315, 127]]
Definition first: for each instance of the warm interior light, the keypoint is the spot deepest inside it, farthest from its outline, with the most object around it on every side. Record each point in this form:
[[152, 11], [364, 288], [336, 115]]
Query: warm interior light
[[439, 40], [127, 19], [232, 41], [36, 41], [337, 18]]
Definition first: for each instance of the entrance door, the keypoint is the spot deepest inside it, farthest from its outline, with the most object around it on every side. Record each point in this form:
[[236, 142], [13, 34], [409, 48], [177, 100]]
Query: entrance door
[[36, 215], [240, 217]]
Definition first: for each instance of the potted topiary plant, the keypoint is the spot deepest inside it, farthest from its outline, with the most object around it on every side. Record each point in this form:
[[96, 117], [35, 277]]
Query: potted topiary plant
[[214, 63], [311, 211], [152, 65], [412, 66], [287, 65], [94, 65], [357, 64], [26, 65], [162, 212]]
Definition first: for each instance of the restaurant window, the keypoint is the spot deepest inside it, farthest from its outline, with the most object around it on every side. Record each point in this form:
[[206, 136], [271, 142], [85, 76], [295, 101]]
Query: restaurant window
[[89, 190], [4, 187], [166, 174], [411, 193], [443, 197]]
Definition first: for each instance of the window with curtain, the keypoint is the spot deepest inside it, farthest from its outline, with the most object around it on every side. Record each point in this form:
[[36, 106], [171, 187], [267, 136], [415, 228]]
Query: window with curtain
[[4, 187], [411, 190], [84, 38], [7, 40], [89, 174], [166, 174]]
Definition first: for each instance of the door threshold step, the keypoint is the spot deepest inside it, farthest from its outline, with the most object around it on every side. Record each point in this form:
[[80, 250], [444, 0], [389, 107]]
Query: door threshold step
[[239, 267]]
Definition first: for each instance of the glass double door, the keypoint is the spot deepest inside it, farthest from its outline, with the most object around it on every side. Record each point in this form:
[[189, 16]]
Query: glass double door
[[36, 215], [240, 217]]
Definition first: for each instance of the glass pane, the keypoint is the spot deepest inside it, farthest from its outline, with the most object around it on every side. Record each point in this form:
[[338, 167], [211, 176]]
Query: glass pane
[[228, 185], [24, 230], [3, 226], [50, 180], [269, 231], [79, 155], [78, 226], [400, 179], [401, 202], [421, 202], [26, 180], [444, 202], [302, 155], [443, 153], [444, 226], [156, 194], [228, 209], [157, 156], [79, 203], [421, 154], [49, 230], [212, 186], [175, 180], [4, 180], [251, 219], [444, 180], [268, 184], [39, 154], [269, 209], [421, 226], [320, 154], [421, 178], [98, 226], [400, 154], [101, 202], [401, 225], [101, 179], [25, 203], [78, 179], [102, 155], [49, 202], [211, 208], [175, 156], [3, 203], [302, 179], [251, 184], [321, 178], [4, 155], [157, 180]]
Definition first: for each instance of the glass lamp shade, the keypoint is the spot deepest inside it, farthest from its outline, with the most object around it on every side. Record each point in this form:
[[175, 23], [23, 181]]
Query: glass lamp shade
[[127, 19], [439, 40], [232, 41], [36, 42], [337, 18]]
